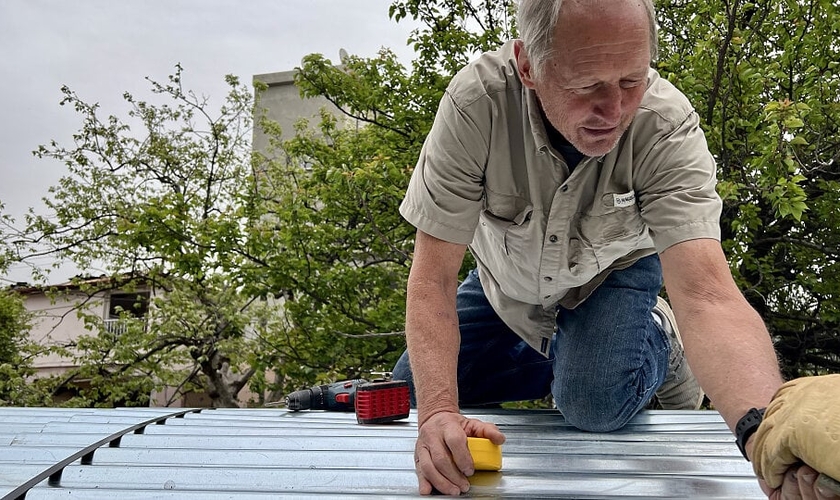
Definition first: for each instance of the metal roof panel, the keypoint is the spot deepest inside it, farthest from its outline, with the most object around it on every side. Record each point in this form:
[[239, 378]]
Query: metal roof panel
[[254, 453]]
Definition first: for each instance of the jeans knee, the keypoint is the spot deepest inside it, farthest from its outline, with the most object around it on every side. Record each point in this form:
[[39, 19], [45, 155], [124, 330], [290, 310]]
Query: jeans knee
[[592, 418], [595, 410]]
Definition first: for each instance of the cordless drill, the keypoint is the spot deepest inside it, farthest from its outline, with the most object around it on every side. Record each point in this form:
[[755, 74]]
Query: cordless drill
[[338, 396], [374, 402]]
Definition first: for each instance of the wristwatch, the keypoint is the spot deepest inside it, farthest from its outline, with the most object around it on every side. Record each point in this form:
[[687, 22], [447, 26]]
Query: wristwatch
[[746, 427]]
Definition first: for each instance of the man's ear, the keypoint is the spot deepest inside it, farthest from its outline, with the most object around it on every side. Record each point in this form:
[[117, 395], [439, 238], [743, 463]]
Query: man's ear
[[523, 64]]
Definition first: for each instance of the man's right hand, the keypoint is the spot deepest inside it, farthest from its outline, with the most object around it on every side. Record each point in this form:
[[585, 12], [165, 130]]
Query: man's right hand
[[441, 455]]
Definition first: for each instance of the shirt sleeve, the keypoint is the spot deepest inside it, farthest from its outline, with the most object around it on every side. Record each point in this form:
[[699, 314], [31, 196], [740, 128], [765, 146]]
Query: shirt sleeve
[[445, 193], [678, 198]]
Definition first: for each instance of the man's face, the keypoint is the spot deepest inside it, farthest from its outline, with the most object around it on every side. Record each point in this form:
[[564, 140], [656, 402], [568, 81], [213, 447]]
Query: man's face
[[592, 84]]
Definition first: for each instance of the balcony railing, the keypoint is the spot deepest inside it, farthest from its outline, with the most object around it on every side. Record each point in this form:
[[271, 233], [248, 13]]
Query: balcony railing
[[118, 326]]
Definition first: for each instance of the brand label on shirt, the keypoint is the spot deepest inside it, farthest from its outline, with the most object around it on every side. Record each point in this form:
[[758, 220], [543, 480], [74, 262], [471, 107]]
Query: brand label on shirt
[[624, 200]]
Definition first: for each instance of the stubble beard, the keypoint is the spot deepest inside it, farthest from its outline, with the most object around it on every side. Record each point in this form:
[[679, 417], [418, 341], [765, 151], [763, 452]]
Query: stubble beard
[[593, 149]]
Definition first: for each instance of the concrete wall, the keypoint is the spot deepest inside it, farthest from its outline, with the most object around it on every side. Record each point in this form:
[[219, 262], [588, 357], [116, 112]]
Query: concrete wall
[[57, 324], [283, 104]]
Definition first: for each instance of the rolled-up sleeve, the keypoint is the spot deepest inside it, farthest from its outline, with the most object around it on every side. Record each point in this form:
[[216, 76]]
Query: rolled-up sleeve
[[444, 195]]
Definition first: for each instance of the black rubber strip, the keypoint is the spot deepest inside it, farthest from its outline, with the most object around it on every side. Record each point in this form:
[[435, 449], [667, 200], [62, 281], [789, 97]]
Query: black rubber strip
[[86, 454]]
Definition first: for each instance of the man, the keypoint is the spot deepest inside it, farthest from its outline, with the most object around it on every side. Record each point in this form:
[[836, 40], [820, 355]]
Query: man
[[579, 179]]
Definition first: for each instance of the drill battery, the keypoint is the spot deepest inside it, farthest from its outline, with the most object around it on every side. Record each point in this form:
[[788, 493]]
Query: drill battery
[[378, 402]]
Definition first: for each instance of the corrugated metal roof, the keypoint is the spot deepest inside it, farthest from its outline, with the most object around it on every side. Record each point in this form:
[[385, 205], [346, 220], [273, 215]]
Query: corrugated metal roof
[[273, 453]]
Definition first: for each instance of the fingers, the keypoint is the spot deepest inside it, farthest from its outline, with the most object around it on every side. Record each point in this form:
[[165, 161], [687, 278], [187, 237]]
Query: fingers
[[441, 456], [801, 483], [806, 478], [487, 430], [425, 486], [448, 481], [790, 486], [436, 470], [457, 444]]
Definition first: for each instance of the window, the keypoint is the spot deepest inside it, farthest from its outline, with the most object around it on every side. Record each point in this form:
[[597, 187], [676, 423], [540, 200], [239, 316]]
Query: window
[[136, 304]]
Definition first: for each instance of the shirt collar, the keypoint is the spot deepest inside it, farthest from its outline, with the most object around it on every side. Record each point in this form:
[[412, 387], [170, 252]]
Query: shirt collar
[[532, 108]]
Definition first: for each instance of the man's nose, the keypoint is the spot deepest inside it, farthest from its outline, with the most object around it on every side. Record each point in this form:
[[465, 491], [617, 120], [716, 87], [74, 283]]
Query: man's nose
[[608, 103]]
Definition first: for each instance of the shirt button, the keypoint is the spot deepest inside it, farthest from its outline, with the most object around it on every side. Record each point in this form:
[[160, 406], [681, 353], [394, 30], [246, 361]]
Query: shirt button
[[564, 188], [547, 278], [553, 238]]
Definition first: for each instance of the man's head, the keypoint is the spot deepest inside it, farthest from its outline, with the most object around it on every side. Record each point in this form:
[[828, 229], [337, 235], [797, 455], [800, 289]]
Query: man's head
[[587, 61]]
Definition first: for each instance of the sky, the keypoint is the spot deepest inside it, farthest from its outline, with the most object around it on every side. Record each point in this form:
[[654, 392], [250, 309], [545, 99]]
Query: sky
[[102, 48]]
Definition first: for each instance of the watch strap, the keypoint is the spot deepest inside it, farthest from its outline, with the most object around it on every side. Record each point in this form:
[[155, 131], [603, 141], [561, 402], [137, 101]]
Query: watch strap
[[746, 427]]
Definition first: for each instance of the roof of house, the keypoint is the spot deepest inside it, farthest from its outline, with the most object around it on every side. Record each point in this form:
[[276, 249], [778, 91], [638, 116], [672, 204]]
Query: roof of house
[[274, 453], [76, 283]]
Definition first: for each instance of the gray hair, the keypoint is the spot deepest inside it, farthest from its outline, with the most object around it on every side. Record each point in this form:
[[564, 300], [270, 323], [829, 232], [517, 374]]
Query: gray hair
[[537, 18]]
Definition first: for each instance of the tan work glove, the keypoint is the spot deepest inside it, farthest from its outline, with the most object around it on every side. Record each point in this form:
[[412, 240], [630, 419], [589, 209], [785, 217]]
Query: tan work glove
[[801, 424]]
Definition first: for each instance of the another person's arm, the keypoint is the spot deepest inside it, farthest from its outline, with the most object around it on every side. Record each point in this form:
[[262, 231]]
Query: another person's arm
[[441, 455]]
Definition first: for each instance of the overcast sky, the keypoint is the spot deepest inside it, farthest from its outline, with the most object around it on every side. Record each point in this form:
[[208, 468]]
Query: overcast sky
[[101, 48]]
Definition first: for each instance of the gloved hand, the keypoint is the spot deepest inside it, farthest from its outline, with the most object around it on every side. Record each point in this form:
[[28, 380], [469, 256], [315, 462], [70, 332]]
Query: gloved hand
[[801, 424]]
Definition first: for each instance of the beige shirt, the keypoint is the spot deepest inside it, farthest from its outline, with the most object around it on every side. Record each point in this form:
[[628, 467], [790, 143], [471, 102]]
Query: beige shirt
[[488, 177]]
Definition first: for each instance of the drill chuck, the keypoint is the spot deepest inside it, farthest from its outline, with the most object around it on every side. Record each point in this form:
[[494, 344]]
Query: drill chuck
[[307, 399]]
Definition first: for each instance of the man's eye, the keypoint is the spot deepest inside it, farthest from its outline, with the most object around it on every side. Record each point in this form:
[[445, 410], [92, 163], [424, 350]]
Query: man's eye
[[629, 84], [586, 90]]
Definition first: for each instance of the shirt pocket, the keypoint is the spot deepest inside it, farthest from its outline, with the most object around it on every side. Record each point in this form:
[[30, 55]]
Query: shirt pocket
[[507, 216], [613, 233], [502, 246], [508, 235], [507, 207]]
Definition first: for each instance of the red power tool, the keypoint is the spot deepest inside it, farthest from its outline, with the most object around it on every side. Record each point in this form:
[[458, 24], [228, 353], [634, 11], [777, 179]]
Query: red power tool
[[376, 402]]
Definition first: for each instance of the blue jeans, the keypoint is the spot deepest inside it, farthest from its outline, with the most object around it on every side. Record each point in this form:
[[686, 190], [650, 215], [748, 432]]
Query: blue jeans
[[608, 356]]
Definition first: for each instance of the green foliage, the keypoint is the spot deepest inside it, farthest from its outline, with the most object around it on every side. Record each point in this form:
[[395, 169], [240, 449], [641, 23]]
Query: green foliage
[[13, 325], [162, 206], [339, 250], [16, 355], [286, 267], [177, 205], [452, 32], [764, 77]]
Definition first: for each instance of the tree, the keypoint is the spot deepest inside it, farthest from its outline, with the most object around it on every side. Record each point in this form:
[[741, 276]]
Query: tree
[[16, 355], [168, 211], [341, 250], [764, 77], [312, 224], [181, 207], [17, 351]]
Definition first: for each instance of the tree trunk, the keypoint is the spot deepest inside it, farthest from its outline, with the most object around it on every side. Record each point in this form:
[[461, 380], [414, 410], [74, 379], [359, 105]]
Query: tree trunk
[[223, 384]]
